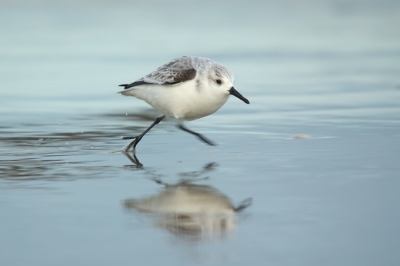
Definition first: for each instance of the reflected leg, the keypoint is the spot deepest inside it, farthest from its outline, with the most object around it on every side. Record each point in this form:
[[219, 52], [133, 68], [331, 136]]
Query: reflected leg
[[201, 137], [138, 138], [133, 159]]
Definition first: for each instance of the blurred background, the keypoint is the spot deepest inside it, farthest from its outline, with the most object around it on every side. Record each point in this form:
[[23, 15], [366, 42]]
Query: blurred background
[[74, 51], [317, 149]]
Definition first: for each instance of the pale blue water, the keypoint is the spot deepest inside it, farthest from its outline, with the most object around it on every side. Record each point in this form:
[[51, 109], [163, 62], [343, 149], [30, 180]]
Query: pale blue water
[[325, 69]]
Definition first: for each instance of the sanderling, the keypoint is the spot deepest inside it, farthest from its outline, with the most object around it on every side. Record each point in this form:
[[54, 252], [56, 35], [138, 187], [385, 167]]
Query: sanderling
[[186, 89]]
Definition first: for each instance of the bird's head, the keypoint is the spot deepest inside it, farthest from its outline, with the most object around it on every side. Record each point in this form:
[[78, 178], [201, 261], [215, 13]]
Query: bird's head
[[221, 79]]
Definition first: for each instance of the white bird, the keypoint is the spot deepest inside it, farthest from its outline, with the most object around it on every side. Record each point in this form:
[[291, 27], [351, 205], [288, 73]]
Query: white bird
[[187, 88]]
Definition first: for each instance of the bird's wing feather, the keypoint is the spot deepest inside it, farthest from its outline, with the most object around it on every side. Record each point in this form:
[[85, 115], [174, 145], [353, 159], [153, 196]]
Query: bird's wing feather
[[172, 73], [170, 76]]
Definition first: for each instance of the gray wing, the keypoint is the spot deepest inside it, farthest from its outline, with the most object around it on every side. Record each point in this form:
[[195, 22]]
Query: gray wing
[[172, 73]]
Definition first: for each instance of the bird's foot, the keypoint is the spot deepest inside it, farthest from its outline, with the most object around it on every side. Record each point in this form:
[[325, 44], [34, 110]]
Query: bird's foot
[[201, 137], [129, 137], [131, 144], [206, 140]]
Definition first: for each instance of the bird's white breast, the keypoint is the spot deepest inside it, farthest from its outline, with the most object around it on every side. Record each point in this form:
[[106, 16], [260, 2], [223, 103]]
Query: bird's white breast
[[184, 101]]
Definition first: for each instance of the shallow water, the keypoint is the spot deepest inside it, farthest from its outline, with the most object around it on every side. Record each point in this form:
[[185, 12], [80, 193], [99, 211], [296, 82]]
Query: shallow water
[[316, 152]]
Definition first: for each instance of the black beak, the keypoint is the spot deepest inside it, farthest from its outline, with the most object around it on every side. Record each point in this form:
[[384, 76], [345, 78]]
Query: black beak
[[238, 95]]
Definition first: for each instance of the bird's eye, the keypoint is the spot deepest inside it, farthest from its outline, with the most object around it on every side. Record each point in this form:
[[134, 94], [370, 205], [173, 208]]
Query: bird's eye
[[218, 81]]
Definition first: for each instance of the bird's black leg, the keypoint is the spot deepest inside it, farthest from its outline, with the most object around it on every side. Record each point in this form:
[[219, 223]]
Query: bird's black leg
[[201, 137], [138, 138]]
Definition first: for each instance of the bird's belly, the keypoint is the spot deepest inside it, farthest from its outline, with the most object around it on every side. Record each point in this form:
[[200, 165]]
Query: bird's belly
[[195, 105], [192, 110], [181, 103]]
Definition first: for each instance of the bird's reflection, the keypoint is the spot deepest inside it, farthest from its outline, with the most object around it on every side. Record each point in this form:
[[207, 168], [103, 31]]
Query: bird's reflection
[[132, 157], [191, 211]]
